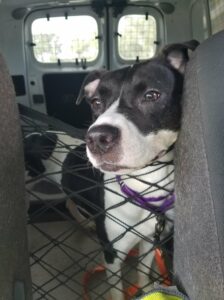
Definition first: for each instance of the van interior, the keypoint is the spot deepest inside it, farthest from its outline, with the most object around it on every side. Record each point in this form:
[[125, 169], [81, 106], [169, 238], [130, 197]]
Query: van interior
[[47, 48]]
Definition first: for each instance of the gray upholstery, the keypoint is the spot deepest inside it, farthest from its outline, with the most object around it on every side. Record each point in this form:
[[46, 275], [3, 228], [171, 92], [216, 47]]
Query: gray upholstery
[[199, 217], [14, 266]]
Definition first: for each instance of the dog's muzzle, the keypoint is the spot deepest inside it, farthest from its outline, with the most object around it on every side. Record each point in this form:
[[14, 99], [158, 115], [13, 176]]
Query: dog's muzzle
[[102, 139]]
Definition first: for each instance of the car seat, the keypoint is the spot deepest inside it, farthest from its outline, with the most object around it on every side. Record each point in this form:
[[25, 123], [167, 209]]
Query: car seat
[[15, 283], [199, 208]]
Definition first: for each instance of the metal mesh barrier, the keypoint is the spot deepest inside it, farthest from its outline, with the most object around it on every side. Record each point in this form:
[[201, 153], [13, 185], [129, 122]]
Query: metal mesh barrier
[[50, 45], [216, 10], [137, 35], [66, 250]]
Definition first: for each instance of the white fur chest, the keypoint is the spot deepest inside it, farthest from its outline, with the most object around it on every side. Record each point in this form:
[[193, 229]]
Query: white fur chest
[[127, 219]]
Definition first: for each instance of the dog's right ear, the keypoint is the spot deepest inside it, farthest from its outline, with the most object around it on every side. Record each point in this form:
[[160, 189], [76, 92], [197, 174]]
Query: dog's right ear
[[89, 85], [178, 54]]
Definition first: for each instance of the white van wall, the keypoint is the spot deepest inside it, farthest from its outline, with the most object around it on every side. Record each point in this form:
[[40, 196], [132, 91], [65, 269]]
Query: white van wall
[[177, 28], [12, 45], [177, 25]]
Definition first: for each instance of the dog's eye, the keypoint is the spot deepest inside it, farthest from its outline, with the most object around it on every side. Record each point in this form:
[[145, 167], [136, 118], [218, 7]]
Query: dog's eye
[[96, 103], [151, 95]]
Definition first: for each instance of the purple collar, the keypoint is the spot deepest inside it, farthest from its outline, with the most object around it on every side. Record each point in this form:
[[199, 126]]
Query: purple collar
[[146, 202]]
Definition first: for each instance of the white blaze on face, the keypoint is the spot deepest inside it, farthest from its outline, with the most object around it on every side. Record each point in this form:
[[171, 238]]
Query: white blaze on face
[[91, 87], [135, 149]]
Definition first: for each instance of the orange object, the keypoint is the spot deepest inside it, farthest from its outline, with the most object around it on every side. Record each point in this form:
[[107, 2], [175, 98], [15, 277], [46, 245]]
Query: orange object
[[162, 267], [131, 291], [133, 253], [86, 278]]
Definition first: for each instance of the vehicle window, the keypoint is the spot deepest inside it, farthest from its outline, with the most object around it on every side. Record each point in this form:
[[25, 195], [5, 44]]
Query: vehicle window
[[65, 39], [136, 37], [216, 8], [200, 22]]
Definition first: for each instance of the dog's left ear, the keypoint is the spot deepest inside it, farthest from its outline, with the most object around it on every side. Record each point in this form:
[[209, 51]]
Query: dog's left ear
[[89, 85], [178, 54]]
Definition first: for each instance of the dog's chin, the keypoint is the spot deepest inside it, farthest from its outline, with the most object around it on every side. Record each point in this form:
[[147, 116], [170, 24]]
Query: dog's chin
[[114, 169], [117, 168]]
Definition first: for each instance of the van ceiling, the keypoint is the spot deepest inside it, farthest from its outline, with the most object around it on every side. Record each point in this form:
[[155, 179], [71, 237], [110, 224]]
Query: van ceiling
[[30, 3]]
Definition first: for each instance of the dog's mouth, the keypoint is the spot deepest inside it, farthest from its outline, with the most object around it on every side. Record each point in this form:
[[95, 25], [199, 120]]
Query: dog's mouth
[[107, 167], [122, 169]]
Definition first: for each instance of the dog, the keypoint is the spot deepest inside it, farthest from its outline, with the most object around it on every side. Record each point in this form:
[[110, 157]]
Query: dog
[[136, 119], [46, 151], [44, 154]]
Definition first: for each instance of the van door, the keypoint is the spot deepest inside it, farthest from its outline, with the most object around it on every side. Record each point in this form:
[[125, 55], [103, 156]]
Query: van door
[[136, 33], [62, 45]]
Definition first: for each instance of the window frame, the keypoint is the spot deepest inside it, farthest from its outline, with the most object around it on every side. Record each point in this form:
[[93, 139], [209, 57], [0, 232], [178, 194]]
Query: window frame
[[207, 19], [60, 12], [141, 10], [210, 18]]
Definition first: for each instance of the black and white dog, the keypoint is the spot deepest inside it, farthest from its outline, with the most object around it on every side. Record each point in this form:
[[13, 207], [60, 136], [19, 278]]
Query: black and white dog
[[137, 116], [45, 153]]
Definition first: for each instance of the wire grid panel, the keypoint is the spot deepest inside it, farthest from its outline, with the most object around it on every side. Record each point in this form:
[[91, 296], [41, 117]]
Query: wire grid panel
[[53, 39], [216, 8], [136, 37], [66, 256]]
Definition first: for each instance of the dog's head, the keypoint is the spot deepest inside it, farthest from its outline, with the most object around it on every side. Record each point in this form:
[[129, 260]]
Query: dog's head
[[101, 89], [38, 147], [137, 110]]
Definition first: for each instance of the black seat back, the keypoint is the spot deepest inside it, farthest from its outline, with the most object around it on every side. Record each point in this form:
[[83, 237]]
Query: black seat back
[[15, 283], [199, 217]]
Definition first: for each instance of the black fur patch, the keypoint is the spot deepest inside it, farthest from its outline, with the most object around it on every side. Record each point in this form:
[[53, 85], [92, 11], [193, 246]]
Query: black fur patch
[[151, 116], [108, 90], [109, 254], [38, 147], [84, 185], [79, 178]]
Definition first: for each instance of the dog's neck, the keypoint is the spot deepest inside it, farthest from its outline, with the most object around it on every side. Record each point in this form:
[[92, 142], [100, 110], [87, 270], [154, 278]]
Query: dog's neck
[[156, 179], [163, 162], [153, 186], [154, 204]]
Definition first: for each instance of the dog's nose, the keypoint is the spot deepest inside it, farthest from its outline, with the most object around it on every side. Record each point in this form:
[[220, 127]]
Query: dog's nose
[[102, 138]]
